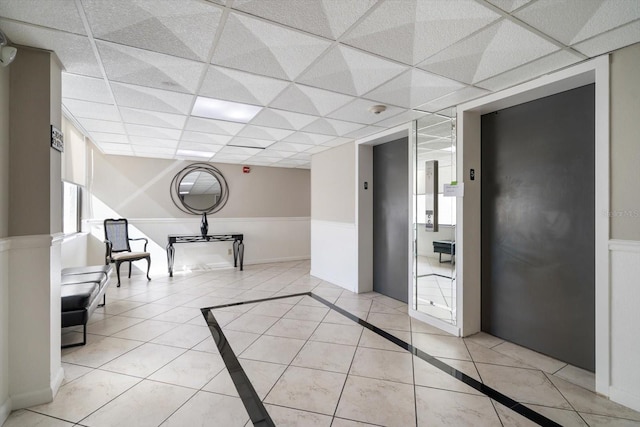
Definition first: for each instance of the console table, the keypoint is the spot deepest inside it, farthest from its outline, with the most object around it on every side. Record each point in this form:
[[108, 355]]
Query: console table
[[236, 238]]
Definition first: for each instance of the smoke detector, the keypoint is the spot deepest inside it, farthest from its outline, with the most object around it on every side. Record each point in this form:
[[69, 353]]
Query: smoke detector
[[377, 109]]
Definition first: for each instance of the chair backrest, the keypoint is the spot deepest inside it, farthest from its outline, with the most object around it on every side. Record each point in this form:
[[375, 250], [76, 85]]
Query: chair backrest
[[117, 232]]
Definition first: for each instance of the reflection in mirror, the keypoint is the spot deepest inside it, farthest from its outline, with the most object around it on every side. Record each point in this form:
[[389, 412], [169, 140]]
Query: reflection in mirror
[[200, 190], [434, 291]]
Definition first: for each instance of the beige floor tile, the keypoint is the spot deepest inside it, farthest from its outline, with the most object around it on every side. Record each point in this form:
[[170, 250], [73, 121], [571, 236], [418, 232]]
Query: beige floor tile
[[176, 299], [341, 422], [354, 304], [72, 372], [117, 307], [146, 311], [206, 301], [287, 417], [372, 340], [207, 345], [144, 360], [561, 416], [485, 339], [225, 317], [271, 308], [338, 334], [303, 312], [378, 402], [239, 341], [97, 353], [423, 328], [522, 385], [447, 408], [325, 356], [578, 376], [427, 375], [185, 336], [464, 366], [83, 396], [584, 401], [273, 349], [390, 321], [310, 302], [192, 369], [254, 323], [293, 328], [602, 421], [530, 357], [222, 384], [335, 317], [111, 325], [179, 315], [148, 403], [24, 418], [204, 409], [481, 354], [146, 330], [263, 375], [441, 346], [383, 365], [307, 390], [377, 307], [511, 418]]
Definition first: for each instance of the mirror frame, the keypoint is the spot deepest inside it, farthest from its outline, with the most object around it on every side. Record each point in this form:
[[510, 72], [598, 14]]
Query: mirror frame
[[174, 189]]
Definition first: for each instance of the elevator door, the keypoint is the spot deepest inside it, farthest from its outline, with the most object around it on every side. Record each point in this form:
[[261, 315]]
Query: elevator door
[[538, 225], [391, 219]]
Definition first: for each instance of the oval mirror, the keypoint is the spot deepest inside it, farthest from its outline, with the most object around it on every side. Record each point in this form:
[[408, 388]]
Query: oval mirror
[[199, 189]]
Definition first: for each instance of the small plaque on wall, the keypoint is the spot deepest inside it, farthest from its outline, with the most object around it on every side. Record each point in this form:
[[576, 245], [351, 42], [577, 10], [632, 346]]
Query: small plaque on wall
[[57, 139]]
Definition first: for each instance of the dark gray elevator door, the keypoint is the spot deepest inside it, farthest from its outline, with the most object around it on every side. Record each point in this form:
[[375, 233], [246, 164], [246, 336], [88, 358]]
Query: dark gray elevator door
[[538, 220], [391, 219]]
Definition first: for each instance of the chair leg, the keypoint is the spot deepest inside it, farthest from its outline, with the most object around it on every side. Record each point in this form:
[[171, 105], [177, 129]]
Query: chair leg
[[148, 267], [118, 272], [130, 269]]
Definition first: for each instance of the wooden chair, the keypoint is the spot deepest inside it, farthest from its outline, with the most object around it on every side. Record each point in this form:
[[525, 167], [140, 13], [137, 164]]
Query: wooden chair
[[116, 233]]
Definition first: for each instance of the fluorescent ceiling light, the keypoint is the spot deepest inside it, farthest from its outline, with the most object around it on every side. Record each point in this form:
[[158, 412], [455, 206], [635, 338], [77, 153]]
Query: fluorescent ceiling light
[[193, 153], [224, 110]]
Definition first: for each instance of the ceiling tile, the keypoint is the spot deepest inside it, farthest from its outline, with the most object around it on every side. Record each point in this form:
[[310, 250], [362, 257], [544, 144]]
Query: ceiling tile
[[74, 51], [93, 125], [541, 66], [109, 137], [259, 47], [413, 88], [301, 156], [75, 86], [250, 142], [110, 146], [59, 14], [197, 146], [332, 127], [308, 138], [264, 161], [141, 67], [291, 163], [455, 98], [349, 71], [205, 138], [268, 153], [261, 132], [91, 110], [310, 100], [146, 98], [431, 120], [150, 151], [220, 127], [358, 111], [572, 21], [150, 142], [338, 141], [417, 29], [187, 31], [152, 118], [245, 151], [400, 119], [496, 49], [327, 18], [152, 131], [509, 5], [230, 158], [364, 132], [317, 149], [282, 119], [238, 86], [289, 146], [612, 40]]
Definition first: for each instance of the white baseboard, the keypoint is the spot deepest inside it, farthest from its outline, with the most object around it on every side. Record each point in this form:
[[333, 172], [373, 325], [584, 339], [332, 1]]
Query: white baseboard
[[32, 398], [630, 400], [57, 381], [5, 410]]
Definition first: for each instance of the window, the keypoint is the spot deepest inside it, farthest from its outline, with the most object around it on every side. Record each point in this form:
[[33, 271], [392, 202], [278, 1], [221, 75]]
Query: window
[[70, 208]]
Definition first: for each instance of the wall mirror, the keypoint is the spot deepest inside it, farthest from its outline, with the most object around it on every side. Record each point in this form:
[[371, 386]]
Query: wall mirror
[[199, 189]]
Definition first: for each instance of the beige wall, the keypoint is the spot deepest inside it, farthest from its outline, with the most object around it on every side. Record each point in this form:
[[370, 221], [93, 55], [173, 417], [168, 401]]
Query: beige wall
[[333, 181], [4, 254], [625, 146], [136, 187]]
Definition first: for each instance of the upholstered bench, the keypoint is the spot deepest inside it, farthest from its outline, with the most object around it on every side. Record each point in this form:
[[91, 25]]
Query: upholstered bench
[[81, 290], [444, 247]]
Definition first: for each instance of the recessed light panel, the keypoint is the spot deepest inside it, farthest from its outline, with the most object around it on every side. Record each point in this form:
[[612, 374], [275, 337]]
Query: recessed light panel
[[224, 110]]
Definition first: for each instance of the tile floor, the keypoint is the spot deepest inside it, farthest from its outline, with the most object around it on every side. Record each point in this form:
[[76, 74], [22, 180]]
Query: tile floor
[[435, 289], [151, 361]]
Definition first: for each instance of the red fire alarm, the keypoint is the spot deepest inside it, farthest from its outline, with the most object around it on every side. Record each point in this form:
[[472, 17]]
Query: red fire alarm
[[246, 169]]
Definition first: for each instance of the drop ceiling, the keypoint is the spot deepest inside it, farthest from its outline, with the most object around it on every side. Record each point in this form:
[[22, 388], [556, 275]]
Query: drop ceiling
[[134, 68]]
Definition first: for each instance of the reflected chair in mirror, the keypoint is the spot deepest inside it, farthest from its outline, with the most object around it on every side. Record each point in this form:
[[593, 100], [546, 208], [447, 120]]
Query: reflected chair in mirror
[[116, 233]]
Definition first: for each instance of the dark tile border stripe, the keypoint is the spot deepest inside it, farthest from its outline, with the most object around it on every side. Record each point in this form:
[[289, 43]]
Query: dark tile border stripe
[[258, 413]]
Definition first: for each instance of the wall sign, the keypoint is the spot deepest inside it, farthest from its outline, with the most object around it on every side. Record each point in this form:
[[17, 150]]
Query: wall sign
[[454, 189], [57, 139]]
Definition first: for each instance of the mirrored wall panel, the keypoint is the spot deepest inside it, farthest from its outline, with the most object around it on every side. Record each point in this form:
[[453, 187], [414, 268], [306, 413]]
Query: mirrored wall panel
[[434, 290]]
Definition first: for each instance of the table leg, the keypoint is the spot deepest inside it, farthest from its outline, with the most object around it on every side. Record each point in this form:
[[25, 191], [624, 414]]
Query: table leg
[[235, 252], [241, 251], [170, 258]]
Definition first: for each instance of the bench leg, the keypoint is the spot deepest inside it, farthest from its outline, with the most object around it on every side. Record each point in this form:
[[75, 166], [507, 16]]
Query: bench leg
[[104, 300], [78, 344], [148, 267]]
